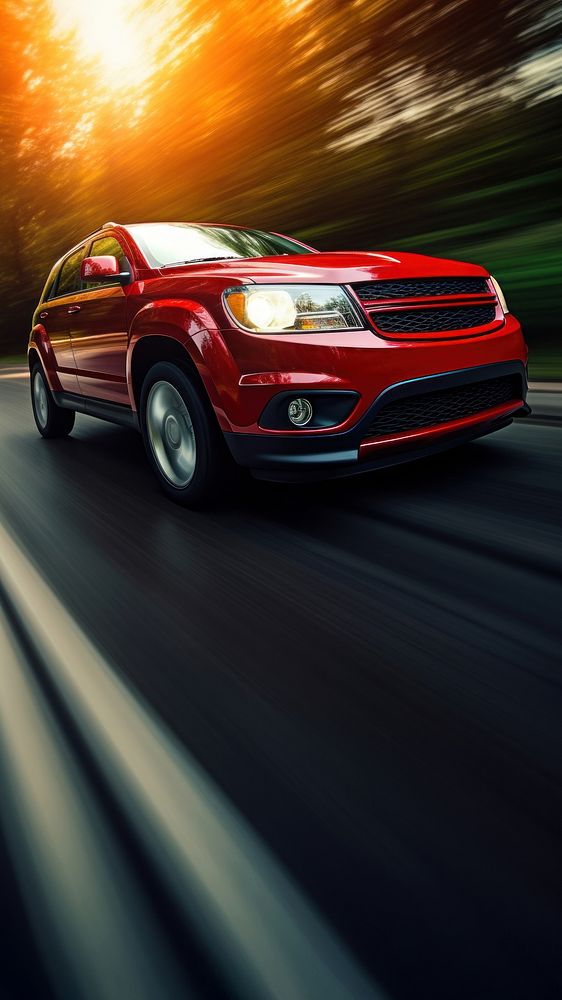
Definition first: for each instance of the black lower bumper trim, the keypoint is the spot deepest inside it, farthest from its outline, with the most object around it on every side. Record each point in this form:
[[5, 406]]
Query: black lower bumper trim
[[313, 466], [298, 457]]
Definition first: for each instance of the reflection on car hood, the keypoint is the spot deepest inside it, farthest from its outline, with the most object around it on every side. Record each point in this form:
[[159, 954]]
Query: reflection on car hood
[[342, 267]]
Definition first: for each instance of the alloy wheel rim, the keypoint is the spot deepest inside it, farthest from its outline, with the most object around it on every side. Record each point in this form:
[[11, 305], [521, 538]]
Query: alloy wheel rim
[[171, 434], [40, 400]]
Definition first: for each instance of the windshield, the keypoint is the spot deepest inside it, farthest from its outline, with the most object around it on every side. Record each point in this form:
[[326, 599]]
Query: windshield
[[164, 244]]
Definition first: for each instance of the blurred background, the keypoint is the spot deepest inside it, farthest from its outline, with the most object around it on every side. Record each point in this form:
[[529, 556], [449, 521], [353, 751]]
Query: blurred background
[[366, 672], [361, 124]]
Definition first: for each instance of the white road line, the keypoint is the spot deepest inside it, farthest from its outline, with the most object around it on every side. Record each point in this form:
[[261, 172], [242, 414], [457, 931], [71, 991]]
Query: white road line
[[265, 938], [91, 924], [545, 387]]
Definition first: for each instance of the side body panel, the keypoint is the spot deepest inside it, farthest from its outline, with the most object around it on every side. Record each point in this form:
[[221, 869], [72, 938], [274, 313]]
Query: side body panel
[[99, 341], [54, 330]]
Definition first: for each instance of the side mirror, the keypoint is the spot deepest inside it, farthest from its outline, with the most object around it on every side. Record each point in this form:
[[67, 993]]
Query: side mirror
[[104, 269]]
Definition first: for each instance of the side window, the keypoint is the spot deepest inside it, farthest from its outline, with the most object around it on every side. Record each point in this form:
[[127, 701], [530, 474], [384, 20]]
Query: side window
[[50, 286], [69, 278]]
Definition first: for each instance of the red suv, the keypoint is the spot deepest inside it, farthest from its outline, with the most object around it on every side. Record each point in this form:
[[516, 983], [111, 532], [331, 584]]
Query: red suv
[[223, 343]]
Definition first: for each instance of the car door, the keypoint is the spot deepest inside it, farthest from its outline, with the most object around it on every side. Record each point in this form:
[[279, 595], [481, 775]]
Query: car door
[[56, 315], [99, 331]]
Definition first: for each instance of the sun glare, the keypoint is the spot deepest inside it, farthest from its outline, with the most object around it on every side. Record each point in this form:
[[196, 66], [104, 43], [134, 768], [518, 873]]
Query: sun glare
[[107, 32]]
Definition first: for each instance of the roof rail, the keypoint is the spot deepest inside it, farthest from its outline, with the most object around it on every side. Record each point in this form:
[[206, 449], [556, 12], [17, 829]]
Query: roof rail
[[106, 225]]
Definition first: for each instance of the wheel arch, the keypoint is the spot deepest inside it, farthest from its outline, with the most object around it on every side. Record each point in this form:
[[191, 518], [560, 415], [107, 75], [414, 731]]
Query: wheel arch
[[33, 356], [185, 334], [152, 348], [39, 349]]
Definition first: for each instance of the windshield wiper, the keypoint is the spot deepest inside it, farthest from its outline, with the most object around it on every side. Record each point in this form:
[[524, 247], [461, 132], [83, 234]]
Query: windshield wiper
[[199, 260]]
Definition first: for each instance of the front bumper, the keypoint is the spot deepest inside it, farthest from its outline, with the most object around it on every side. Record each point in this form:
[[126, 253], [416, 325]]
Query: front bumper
[[295, 457]]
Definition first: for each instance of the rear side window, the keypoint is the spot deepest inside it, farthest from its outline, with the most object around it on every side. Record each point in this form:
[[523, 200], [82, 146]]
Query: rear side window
[[50, 286], [69, 278]]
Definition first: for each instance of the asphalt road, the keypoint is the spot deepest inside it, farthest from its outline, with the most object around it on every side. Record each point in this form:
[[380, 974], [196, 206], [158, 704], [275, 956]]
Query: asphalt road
[[370, 669]]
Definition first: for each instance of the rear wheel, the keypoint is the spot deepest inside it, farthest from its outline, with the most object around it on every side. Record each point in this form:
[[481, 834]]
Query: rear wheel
[[182, 439], [51, 420]]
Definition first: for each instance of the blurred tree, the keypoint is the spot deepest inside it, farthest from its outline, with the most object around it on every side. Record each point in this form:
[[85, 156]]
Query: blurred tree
[[352, 123]]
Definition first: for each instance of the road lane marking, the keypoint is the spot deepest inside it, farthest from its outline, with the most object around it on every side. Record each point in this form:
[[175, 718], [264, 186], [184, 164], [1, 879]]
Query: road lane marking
[[91, 924], [265, 939]]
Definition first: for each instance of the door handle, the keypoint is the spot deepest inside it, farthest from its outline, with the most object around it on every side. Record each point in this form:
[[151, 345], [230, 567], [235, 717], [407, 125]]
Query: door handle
[[43, 315], [73, 309]]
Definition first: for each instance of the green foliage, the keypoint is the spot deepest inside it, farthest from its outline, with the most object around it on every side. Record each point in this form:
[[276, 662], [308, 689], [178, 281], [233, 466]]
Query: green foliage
[[364, 124]]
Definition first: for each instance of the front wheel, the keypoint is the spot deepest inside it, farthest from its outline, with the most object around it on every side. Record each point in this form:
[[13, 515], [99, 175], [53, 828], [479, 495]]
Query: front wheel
[[51, 420], [182, 440]]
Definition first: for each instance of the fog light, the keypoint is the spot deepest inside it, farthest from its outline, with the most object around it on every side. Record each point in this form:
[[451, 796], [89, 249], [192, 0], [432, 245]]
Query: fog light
[[300, 412]]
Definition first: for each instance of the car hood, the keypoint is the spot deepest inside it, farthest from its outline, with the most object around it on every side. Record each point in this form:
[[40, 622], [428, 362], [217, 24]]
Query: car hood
[[343, 267]]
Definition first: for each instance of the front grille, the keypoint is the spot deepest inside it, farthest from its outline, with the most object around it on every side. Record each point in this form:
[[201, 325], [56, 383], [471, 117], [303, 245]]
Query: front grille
[[433, 320], [443, 405], [406, 288]]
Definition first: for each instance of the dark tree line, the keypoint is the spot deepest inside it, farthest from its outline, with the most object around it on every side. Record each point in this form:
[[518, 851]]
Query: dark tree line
[[433, 126]]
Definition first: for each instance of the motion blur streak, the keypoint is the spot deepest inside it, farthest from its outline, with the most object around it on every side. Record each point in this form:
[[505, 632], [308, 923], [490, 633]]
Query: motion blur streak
[[91, 924], [265, 939], [352, 125]]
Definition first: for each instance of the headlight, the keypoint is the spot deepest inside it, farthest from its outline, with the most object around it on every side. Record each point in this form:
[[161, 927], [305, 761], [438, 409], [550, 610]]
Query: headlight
[[500, 295], [289, 308]]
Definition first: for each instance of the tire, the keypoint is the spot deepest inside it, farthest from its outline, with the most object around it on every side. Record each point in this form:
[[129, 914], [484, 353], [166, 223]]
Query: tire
[[183, 441], [51, 420]]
